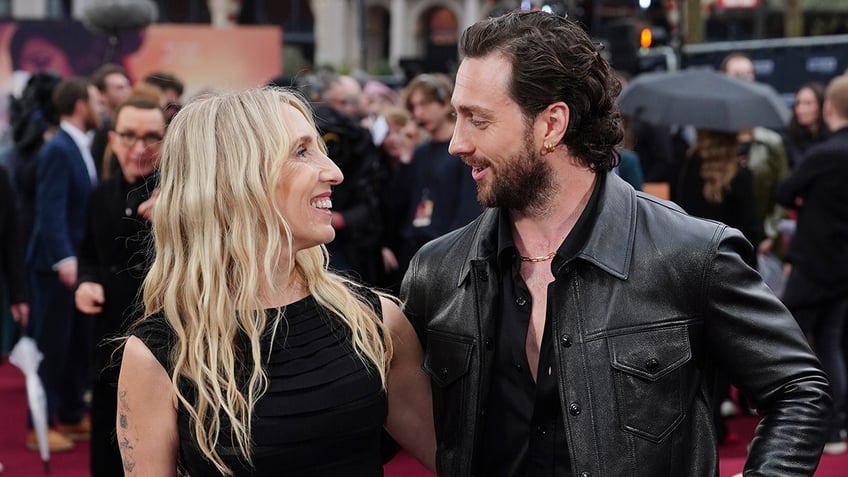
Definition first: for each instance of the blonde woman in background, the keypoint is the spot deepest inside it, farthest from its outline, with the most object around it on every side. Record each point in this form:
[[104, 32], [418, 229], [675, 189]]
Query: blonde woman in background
[[713, 184], [254, 359]]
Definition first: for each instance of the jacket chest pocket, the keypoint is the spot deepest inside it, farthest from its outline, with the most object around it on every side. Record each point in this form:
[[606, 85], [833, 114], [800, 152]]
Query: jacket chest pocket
[[649, 380], [447, 359]]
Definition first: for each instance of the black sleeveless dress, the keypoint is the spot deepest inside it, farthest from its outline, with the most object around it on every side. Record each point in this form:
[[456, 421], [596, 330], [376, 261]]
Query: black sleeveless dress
[[323, 411]]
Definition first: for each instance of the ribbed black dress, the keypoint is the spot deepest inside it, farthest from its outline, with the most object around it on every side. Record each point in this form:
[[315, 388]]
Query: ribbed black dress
[[324, 409]]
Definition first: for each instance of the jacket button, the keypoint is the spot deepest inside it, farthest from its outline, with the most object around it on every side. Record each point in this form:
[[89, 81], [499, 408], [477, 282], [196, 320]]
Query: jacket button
[[444, 372], [574, 409], [520, 301], [484, 276], [541, 430], [652, 365], [489, 343], [565, 340], [585, 474]]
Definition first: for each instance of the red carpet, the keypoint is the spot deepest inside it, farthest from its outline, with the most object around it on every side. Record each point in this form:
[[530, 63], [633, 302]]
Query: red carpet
[[20, 462]]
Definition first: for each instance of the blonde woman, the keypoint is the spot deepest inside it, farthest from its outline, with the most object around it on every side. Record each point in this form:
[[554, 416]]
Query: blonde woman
[[254, 359], [713, 184]]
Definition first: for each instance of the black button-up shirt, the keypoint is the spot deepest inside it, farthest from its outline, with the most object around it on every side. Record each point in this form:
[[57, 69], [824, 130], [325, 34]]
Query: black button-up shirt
[[523, 432]]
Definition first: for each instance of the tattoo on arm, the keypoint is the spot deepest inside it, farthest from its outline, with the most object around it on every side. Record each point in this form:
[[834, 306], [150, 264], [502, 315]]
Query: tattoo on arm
[[123, 428]]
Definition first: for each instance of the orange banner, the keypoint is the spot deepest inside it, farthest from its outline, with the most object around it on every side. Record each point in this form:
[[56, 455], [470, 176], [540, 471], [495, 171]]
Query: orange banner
[[210, 58]]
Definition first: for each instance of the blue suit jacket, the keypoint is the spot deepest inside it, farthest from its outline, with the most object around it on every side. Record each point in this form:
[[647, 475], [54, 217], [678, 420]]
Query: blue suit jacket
[[61, 197]]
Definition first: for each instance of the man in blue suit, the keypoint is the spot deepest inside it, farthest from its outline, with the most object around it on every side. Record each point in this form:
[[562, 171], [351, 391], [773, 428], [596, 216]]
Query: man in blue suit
[[66, 174]]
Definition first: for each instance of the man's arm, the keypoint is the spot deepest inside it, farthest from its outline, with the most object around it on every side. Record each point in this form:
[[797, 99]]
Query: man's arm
[[90, 295], [51, 202], [760, 347]]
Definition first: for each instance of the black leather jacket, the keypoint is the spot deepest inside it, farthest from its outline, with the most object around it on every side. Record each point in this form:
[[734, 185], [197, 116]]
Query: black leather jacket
[[654, 304]]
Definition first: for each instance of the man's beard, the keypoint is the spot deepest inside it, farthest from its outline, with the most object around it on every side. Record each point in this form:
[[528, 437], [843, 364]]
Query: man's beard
[[92, 120], [524, 184]]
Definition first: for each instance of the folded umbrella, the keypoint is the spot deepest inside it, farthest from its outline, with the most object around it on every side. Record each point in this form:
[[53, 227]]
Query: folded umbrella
[[26, 356], [705, 99]]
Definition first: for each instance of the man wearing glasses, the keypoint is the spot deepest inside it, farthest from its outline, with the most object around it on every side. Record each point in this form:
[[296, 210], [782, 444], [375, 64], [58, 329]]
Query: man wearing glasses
[[113, 261]]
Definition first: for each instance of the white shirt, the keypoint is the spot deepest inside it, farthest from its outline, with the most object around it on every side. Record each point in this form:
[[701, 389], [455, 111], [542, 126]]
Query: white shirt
[[83, 142]]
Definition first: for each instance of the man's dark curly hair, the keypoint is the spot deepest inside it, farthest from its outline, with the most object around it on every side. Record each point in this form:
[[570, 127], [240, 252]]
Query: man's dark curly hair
[[553, 59]]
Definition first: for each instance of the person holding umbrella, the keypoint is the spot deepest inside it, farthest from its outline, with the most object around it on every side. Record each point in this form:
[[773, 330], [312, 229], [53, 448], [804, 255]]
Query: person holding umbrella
[[762, 151], [576, 327]]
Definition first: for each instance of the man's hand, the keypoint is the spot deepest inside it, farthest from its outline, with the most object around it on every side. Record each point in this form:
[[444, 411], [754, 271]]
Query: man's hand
[[765, 246], [145, 209], [20, 313], [390, 262], [89, 298], [67, 271]]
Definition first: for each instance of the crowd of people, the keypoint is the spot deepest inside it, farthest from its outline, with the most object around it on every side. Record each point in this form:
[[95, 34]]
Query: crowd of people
[[309, 274]]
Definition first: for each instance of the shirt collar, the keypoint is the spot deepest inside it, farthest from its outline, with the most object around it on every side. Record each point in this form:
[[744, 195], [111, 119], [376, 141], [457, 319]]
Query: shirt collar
[[82, 139], [572, 244]]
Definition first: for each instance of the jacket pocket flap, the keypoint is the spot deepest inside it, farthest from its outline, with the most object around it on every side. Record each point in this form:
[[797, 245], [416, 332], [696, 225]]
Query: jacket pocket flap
[[650, 354], [447, 357]]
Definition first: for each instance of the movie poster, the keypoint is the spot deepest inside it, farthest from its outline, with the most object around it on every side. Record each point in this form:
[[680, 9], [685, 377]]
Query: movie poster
[[203, 57]]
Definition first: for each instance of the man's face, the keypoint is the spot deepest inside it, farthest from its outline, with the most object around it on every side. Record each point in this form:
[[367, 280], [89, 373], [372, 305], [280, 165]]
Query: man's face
[[94, 109], [117, 90], [493, 137], [428, 112], [136, 140], [346, 96], [741, 68]]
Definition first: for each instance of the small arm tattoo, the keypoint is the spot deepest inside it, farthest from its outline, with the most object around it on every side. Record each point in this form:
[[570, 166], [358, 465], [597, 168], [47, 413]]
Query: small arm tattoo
[[123, 427]]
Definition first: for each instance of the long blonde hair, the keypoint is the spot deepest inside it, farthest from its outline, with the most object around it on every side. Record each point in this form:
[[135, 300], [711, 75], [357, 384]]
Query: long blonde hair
[[719, 153], [218, 239]]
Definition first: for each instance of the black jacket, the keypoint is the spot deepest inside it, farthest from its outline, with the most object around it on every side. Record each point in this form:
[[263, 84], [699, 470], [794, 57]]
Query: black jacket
[[13, 282], [349, 145], [655, 303], [819, 248], [116, 252]]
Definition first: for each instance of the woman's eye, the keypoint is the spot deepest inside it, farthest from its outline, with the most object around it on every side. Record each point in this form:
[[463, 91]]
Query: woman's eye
[[301, 152]]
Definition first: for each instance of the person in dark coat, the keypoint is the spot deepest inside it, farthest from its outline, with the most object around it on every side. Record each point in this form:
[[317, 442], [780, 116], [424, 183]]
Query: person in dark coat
[[12, 273], [33, 120], [66, 174], [817, 287], [113, 261]]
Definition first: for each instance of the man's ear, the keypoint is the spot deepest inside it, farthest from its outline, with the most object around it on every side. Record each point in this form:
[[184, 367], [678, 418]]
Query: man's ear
[[555, 119]]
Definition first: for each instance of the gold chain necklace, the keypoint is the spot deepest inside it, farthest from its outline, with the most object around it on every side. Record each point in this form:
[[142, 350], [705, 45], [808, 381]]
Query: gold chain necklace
[[541, 258]]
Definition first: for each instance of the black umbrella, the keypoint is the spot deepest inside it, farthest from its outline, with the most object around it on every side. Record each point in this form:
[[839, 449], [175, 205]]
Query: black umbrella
[[705, 99]]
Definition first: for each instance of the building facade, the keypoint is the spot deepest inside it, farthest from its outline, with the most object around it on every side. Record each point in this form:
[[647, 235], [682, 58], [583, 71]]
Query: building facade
[[394, 36]]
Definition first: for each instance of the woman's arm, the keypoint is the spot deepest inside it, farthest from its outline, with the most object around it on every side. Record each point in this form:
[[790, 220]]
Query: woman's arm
[[410, 420], [147, 415]]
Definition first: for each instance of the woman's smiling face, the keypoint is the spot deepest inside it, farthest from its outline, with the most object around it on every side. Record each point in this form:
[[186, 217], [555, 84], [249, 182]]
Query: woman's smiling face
[[305, 186]]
